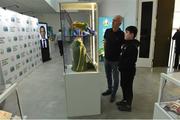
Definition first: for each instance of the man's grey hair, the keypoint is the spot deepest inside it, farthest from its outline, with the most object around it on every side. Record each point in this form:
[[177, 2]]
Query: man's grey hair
[[119, 17]]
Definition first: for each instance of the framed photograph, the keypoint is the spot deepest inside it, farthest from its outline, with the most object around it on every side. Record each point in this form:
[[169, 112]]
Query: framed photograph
[[42, 30]]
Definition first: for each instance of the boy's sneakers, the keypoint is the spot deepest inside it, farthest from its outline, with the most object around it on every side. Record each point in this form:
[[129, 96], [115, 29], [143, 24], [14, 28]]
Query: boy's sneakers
[[124, 108], [107, 92], [123, 105], [122, 102]]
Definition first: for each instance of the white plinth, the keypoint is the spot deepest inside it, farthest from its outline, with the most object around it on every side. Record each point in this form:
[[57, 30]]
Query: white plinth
[[82, 93]]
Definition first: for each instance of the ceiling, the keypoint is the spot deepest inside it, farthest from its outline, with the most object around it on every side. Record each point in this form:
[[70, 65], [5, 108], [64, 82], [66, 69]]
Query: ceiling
[[33, 7], [28, 7]]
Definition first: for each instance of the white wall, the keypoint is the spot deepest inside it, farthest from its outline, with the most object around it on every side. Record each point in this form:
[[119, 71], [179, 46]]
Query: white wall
[[125, 8], [55, 3], [176, 23], [52, 19]]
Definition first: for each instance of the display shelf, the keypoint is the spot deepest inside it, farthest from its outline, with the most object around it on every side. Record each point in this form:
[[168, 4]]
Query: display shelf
[[70, 71], [169, 89]]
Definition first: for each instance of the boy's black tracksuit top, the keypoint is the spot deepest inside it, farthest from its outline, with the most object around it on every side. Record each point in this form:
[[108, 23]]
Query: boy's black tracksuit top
[[128, 55]]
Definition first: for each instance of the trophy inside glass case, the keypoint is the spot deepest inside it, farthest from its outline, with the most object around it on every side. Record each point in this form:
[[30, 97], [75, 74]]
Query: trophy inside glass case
[[79, 36]]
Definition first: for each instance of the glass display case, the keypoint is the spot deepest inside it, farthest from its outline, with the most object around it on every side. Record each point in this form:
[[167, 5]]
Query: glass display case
[[168, 105], [79, 37], [81, 74]]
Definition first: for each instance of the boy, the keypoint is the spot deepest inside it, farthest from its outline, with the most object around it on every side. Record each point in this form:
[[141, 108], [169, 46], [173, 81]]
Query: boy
[[127, 67]]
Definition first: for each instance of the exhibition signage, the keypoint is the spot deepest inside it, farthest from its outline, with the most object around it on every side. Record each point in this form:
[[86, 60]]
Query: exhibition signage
[[20, 49]]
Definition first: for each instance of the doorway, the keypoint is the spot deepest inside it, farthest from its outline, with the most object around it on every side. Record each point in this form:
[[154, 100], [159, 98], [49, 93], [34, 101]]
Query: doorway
[[146, 31]]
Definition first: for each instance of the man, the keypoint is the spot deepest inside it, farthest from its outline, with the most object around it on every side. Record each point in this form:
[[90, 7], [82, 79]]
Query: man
[[44, 45], [60, 42], [176, 37], [113, 39]]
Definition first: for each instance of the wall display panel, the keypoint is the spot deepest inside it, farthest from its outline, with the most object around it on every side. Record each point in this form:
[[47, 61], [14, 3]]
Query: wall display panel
[[104, 23], [19, 45]]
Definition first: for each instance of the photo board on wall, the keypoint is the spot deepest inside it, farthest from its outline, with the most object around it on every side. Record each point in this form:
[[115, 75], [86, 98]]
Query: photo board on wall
[[20, 49]]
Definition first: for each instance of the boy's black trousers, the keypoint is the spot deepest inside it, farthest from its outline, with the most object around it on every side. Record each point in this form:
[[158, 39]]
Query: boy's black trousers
[[127, 77]]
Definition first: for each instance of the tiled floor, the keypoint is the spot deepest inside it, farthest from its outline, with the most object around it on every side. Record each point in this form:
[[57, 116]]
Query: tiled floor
[[42, 93]]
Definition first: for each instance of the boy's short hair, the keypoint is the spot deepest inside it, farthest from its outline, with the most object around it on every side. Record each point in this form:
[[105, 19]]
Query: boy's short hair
[[132, 29]]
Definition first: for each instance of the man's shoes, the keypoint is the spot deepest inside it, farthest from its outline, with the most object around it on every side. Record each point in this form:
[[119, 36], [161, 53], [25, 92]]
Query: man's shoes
[[124, 108], [107, 92], [122, 102], [112, 99]]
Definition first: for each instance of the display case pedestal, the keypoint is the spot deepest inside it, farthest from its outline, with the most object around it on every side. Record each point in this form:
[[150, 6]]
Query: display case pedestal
[[82, 93]]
